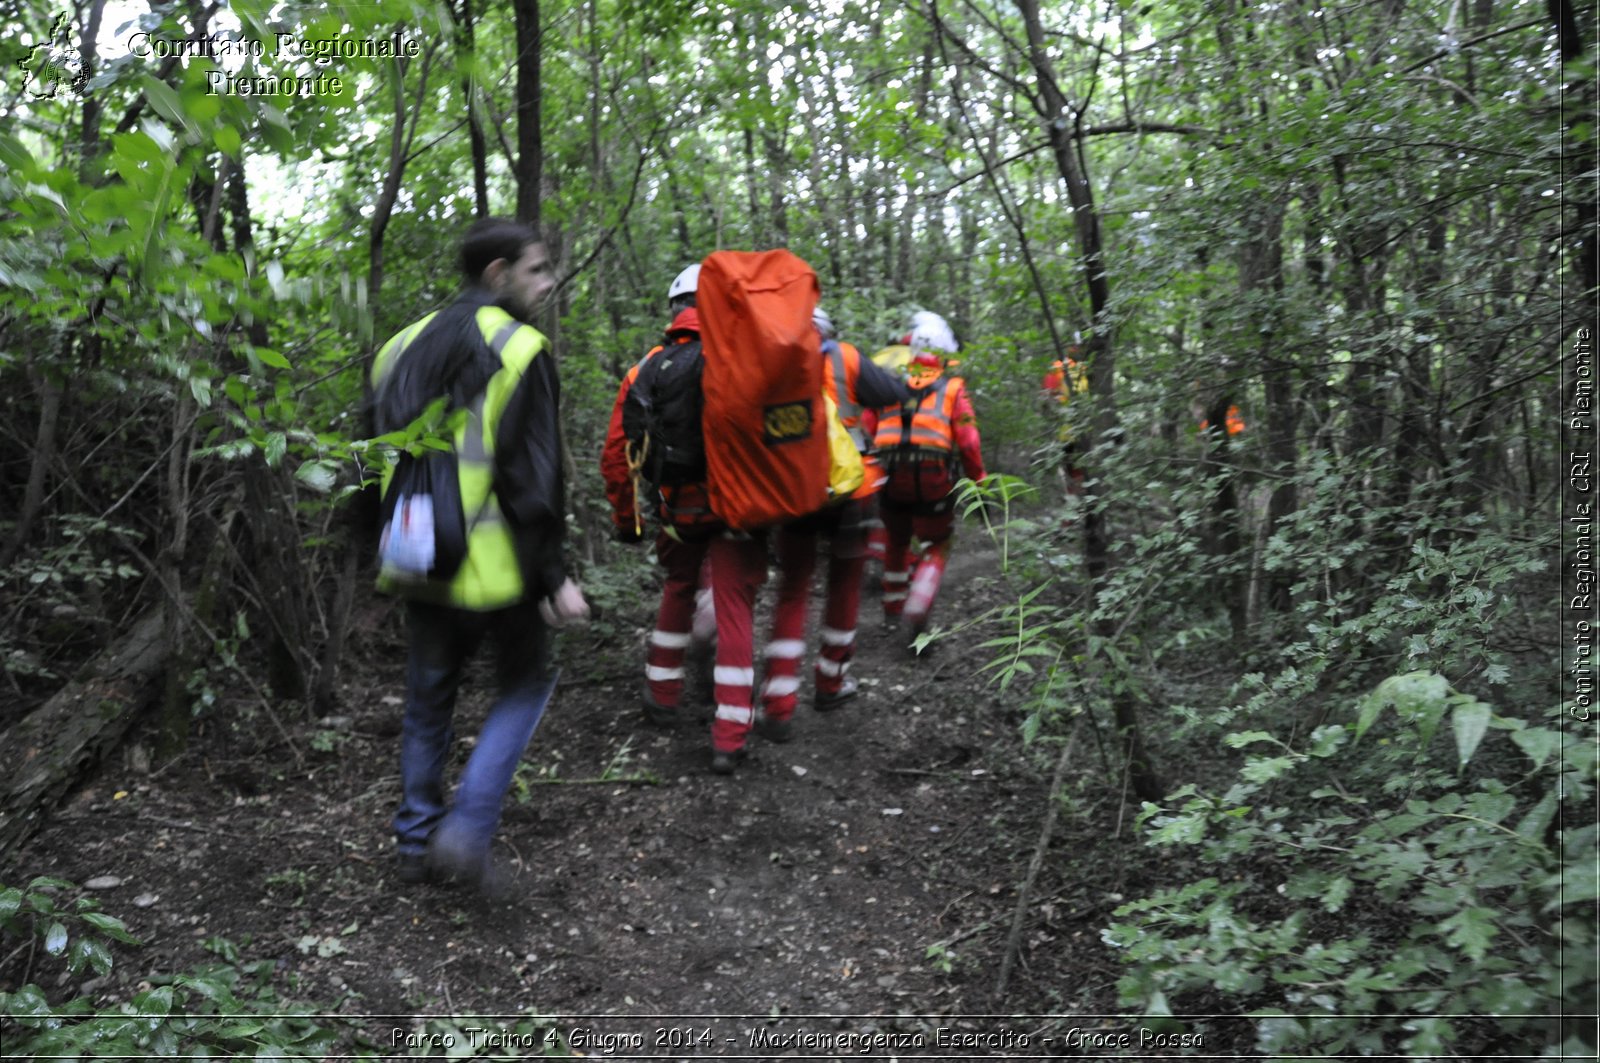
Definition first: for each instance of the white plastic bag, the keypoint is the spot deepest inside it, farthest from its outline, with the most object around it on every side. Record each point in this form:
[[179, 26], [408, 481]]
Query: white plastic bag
[[407, 548]]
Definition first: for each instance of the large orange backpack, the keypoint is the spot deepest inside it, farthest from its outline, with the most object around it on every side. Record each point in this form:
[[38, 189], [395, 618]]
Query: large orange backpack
[[766, 431]]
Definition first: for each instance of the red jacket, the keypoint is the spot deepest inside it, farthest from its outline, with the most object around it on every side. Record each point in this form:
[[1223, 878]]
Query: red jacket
[[684, 506]]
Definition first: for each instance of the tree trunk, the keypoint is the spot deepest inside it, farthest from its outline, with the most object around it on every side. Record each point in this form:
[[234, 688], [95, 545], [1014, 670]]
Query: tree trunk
[[401, 136], [282, 584], [170, 567], [530, 104], [1315, 403], [1227, 535], [1364, 297], [1416, 376], [969, 254], [1262, 277], [389, 194], [44, 449], [1473, 448], [1583, 193], [1060, 123], [89, 131], [1010, 206], [752, 185], [352, 534], [848, 190], [63, 738], [173, 731], [324, 696], [467, 35], [777, 173]]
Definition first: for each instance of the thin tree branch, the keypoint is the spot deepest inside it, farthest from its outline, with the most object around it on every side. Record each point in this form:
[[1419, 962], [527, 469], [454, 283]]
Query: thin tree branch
[[943, 31], [606, 237], [1146, 127], [984, 170], [1442, 52]]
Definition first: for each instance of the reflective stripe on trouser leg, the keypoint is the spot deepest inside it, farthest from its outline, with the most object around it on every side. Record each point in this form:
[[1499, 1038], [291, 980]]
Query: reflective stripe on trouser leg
[[877, 538], [833, 662], [737, 568], [839, 614], [779, 689], [925, 584], [896, 560], [894, 592], [670, 640], [797, 558]]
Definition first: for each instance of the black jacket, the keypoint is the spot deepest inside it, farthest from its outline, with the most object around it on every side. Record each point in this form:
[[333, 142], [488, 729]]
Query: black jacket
[[451, 357], [876, 387]]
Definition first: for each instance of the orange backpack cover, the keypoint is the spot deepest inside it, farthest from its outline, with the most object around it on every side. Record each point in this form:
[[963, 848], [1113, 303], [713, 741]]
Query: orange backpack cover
[[766, 433]]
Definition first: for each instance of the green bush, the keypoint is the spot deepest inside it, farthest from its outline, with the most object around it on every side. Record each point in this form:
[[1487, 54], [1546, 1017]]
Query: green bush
[[221, 1010], [1361, 892], [225, 1009]]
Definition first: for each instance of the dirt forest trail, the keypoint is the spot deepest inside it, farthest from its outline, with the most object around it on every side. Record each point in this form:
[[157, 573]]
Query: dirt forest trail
[[869, 867]]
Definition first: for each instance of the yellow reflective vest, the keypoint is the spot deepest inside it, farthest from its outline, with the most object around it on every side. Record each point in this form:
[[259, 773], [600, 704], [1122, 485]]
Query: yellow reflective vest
[[490, 577]]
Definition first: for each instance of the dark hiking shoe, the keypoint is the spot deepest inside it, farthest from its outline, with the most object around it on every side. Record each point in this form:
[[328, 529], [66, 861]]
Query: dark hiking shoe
[[489, 879], [723, 762], [412, 869], [779, 731], [658, 715], [470, 869], [838, 699]]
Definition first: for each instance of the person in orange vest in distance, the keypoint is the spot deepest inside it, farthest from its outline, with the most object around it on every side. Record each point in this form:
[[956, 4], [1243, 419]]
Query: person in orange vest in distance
[[926, 444], [854, 383], [1235, 421], [692, 546], [1065, 382]]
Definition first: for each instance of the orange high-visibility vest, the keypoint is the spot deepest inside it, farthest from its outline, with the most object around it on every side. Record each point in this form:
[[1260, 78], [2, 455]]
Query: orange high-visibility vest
[[1235, 421], [932, 421], [839, 378]]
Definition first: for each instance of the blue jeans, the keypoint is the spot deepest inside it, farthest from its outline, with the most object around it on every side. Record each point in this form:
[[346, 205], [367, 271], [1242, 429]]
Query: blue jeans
[[442, 640]]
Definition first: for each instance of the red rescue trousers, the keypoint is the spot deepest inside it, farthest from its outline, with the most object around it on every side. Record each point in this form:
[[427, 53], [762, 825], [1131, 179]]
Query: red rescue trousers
[[872, 525], [796, 548], [738, 566], [905, 591]]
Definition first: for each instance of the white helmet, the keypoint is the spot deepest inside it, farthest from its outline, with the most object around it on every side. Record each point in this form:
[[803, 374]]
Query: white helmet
[[824, 323], [930, 332], [685, 283]]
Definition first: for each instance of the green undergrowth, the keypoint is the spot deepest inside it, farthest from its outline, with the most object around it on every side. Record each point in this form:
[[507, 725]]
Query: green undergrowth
[[1378, 834], [1417, 877], [231, 1007]]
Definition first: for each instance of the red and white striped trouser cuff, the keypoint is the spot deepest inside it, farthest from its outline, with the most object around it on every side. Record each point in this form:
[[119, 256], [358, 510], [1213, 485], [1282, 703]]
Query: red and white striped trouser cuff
[[895, 586], [833, 663], [663, 670], [782, 683], [735, 715]]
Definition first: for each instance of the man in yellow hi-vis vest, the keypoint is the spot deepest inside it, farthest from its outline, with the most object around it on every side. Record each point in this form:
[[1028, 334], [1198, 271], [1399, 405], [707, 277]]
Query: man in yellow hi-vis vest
[[505, 579]]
